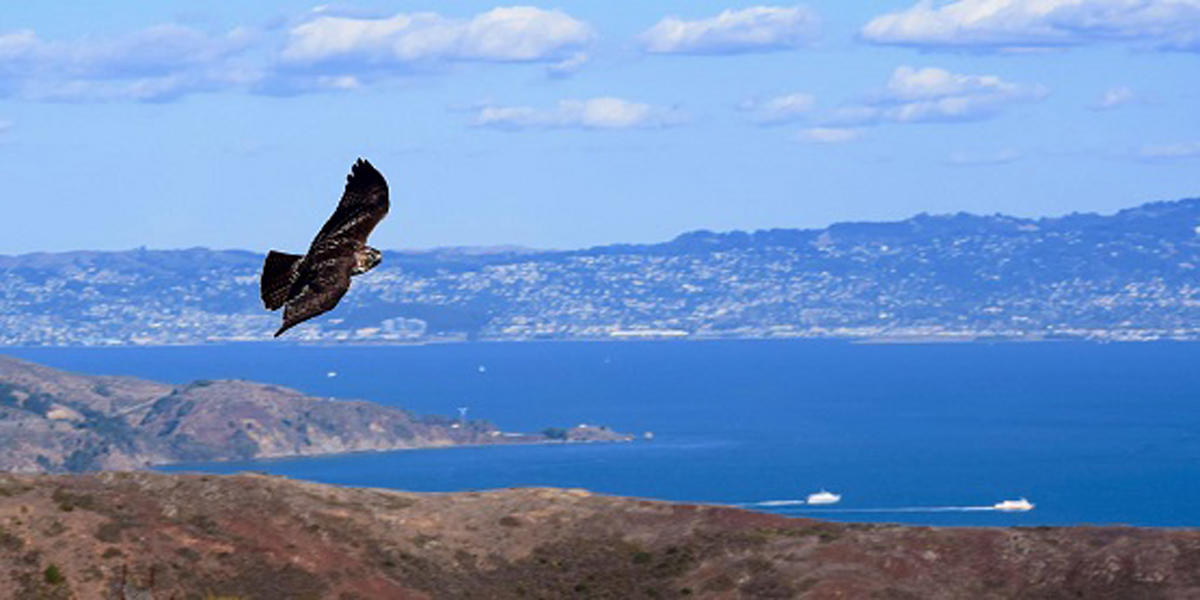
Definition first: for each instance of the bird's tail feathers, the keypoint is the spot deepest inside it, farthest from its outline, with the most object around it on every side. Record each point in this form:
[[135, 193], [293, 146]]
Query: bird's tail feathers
[[279, 271]]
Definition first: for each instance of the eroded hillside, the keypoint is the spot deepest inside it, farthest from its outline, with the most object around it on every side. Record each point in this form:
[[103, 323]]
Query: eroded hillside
[[143, 535]]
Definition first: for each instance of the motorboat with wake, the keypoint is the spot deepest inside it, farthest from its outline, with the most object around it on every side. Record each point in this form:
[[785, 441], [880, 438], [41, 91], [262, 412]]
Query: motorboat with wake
[[1020, 505], [823, 497]]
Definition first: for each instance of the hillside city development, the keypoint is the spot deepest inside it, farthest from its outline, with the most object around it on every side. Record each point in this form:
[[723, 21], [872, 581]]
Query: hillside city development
[[1128, 276]]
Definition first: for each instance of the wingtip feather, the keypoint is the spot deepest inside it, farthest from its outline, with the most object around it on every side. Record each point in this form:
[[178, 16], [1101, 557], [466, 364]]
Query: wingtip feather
[[364, 175]]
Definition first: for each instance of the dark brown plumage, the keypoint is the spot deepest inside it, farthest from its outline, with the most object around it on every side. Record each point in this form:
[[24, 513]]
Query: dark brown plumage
[[309, 285]]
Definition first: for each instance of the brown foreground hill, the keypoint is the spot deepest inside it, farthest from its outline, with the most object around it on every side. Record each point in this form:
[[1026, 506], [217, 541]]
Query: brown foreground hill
[[149, 535]]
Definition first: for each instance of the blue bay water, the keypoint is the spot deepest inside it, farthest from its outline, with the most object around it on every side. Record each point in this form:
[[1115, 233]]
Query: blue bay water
[[1091, 433]]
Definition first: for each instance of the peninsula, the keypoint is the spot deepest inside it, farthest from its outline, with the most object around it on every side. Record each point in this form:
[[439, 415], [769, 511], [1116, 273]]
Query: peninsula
[[53, 421]]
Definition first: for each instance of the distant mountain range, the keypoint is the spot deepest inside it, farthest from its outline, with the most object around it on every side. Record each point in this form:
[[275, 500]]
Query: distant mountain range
[[1128, 276]]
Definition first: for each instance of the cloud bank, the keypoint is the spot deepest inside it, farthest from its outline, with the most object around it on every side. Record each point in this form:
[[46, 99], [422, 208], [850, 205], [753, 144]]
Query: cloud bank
[[156, 63], [1008, 24], [505, 34], [320, 51]]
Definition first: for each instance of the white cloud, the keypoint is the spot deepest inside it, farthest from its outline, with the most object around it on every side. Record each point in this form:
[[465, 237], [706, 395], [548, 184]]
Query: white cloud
[[329, 50], [505, 34], [931, 94], [17, 44], [999, 24], [154, 51], [1115, 97], [593, 113], [830, 135], [930, 83], [975, 159], [1165, 152], [779, 109], [568, 66], [754, 29], [5, 125], [155, 63]]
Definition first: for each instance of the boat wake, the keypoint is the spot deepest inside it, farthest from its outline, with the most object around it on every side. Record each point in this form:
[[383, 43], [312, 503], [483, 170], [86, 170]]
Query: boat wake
[[770, 503], [814, 502], [898, 509], [817, 503], [822, 497]]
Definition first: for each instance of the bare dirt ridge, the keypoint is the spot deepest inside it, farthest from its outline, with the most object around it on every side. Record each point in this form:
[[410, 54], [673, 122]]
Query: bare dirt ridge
[[51, 420], [153, 535]]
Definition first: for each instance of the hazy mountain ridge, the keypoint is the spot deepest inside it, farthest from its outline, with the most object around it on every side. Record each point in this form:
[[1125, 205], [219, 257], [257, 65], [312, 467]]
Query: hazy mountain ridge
[[144, 535], [1130, 275], [51, 420]]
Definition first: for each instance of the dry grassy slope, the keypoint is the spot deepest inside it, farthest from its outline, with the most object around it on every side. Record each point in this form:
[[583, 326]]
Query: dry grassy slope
[[102, 393], [246, 536]]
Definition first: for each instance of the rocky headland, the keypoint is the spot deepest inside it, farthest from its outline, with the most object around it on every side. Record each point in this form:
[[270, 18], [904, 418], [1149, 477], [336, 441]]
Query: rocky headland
[[53, 421]]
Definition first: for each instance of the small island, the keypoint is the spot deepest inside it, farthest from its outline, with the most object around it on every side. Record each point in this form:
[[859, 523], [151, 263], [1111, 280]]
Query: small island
[[54, 421]]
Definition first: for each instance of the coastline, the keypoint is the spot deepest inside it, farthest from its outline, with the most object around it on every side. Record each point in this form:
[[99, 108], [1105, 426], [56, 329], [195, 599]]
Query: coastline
[[964, 338], [920, 425], [64, 421], [181, 466]]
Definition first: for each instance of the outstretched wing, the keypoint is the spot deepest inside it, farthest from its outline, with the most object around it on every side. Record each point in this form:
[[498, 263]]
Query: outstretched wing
[[317, 290], [363, 206]]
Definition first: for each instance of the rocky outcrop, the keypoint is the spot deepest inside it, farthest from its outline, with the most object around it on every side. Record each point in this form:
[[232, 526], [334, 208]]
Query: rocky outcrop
[[152, 535], [56, 421]]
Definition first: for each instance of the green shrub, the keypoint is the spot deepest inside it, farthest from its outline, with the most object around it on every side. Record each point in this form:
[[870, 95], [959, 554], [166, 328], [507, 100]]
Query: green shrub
[[53, 575], [69, 501]]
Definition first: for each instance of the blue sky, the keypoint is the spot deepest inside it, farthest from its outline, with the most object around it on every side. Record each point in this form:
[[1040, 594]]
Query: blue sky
[[580, 123]]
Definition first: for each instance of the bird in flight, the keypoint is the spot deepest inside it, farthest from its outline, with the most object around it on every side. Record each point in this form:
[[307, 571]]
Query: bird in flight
[[309, 285]]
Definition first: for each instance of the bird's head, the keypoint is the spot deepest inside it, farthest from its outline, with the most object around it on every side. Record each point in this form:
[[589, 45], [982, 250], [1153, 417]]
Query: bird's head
[[366, 259]]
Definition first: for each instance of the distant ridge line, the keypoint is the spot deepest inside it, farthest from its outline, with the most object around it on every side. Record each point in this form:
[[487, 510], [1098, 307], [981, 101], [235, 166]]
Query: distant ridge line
[[1129, 276], [961, 218]]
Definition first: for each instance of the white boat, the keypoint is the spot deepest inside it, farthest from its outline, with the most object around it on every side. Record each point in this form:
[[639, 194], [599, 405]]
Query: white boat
[[823, 497], [1013, 505]]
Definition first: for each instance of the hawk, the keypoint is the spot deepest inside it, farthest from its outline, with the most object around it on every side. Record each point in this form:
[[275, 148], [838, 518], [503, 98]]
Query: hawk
[[309, 285]]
